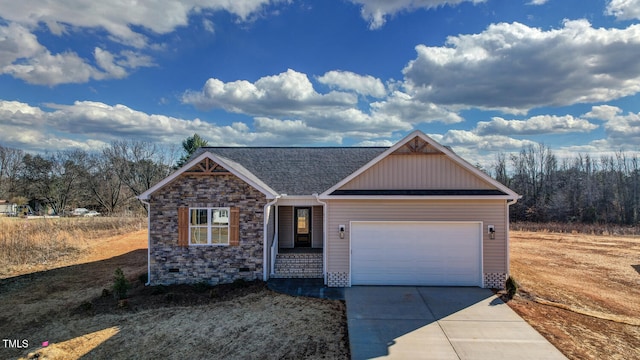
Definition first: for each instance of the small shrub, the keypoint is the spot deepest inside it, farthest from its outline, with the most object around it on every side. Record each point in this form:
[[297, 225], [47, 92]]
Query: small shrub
[[511, 285], [106, 293], [120, 285]]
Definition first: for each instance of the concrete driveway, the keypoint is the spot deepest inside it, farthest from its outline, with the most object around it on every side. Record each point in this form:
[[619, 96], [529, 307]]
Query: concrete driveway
[[438, 323]]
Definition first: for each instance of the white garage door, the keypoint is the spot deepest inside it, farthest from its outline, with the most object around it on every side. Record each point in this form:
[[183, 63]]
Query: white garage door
[[416, 253]]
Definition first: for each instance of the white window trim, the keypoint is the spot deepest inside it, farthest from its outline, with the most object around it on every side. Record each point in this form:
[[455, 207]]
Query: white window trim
[[210, 226]]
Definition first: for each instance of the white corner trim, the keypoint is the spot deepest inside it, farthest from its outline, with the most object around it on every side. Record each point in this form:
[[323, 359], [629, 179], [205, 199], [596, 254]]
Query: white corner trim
[[265, 239]]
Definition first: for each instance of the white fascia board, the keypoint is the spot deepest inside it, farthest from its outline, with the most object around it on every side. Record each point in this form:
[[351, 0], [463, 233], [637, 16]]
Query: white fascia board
[[298, 200], [417, 197], [231, 166], [297, 197]]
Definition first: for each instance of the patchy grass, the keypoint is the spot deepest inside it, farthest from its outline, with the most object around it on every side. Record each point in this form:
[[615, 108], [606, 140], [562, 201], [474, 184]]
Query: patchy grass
[[580, 291], [576, 228], [25, 243], [66, 305]]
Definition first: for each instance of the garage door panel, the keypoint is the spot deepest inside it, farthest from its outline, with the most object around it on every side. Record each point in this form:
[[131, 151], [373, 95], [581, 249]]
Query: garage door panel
[[415, 253]]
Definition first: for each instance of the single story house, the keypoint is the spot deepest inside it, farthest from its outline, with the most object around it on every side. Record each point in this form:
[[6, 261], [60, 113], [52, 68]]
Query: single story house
[[414, 213]]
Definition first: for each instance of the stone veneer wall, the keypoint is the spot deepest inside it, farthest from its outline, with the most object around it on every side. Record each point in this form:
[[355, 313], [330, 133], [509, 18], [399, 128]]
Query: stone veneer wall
[[171, 264], [495, 280], [337, 279]]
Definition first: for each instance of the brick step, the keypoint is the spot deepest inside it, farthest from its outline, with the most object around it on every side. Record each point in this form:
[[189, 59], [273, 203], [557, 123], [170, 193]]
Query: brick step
[[289, 266]]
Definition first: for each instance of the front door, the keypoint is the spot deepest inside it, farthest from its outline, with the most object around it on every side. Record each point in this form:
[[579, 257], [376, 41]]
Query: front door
[[302, 223]]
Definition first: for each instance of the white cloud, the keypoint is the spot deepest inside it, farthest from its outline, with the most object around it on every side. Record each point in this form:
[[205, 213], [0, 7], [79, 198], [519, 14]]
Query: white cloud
[[289, 100], [48, 69], [623, 131], [377, 11], [119, 18], [603, 112], [543, 124], [89, 125], [400, 106], [624, 9], [366, 85], [106, 61], [537, 2], [284, 132], [208, 26], [23, 57], [472, 140], [16, 42], [15, 113], [26, 127], [513, 67], [386, 143], [132, 59], [288, 93]]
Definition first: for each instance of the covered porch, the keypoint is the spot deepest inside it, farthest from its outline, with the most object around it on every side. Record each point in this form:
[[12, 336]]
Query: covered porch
[[295, 238]]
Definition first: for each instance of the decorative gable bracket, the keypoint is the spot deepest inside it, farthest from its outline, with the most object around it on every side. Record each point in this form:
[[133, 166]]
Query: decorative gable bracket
[[207, 167], [417, 145]]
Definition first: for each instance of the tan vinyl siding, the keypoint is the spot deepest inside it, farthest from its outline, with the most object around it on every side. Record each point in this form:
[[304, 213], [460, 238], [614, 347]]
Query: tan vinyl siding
[[490, 212], [417, 171], [316, 226], [285, 227]]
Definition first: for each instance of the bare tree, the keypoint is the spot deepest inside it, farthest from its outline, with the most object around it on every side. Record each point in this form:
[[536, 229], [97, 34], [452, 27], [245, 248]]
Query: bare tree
[[10, 167], [105, 185], [139, 164], [535, 176]]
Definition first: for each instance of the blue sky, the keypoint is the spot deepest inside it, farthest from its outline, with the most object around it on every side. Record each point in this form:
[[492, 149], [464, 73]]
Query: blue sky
[[482, 76]]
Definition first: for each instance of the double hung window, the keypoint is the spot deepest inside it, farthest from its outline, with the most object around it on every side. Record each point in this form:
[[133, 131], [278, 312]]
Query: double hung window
[[209, 226]]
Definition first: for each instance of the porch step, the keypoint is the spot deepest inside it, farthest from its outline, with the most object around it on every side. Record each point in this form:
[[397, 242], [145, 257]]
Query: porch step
[[289, 266]]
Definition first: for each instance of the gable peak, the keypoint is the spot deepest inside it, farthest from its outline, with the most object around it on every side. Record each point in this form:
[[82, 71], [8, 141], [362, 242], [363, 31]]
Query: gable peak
[[417, 145], [206, 166]]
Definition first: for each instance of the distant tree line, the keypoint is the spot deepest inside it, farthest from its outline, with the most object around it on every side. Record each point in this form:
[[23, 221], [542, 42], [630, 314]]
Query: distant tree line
[[106, 180], [581, 189]]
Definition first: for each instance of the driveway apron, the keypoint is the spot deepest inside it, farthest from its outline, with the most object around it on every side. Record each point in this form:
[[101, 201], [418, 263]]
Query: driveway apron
[[438, 323]]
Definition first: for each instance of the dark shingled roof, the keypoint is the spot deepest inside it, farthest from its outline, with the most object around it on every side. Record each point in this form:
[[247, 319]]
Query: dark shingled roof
[[298, 170]]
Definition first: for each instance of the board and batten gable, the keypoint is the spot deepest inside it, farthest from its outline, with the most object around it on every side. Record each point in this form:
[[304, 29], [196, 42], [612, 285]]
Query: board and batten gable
[[415, 172]]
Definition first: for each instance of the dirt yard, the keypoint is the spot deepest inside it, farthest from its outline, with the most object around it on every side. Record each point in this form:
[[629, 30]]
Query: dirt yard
[[63, 304], [582, 292]]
